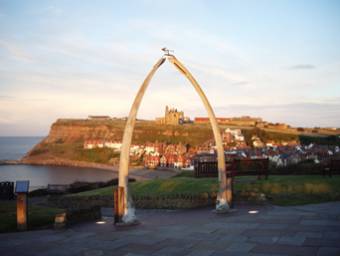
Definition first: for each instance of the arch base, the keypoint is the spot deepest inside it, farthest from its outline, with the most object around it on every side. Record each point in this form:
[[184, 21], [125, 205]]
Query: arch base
[[129, 216], [222, 206]]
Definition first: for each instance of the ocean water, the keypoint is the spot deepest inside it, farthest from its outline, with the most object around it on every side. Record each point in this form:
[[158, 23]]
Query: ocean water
[[13, 148]]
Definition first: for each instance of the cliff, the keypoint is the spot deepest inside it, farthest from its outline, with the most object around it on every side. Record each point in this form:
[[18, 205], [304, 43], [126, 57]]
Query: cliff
[[64, 143]]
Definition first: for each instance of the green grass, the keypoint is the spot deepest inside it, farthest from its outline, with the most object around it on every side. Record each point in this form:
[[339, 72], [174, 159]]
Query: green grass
[[296, 190], [283, 190], [38, 216], [181, 185]]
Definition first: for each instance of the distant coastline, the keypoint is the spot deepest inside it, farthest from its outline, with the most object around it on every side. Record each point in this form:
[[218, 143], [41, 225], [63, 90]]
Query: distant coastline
[[10, 162]]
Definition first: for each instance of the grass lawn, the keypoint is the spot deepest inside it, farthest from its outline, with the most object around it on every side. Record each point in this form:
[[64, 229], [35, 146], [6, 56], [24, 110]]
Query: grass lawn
[[297, 190], [38, 216], [282, 190]]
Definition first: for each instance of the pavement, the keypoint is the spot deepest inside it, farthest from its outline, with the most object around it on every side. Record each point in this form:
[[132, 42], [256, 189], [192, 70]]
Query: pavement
[[256, 230]]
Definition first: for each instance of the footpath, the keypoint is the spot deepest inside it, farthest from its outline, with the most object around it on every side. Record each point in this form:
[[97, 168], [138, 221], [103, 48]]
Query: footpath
[[250, 230]]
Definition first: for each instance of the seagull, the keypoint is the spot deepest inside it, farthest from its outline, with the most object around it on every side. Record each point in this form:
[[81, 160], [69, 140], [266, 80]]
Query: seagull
[[166, 51]]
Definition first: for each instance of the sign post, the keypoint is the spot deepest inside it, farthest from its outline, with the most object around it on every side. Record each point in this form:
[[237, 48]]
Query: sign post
[[21, 189]]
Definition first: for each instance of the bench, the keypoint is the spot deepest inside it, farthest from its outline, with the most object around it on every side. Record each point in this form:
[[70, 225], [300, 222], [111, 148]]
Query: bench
[[249, 166], [207, 167], [332, 168]]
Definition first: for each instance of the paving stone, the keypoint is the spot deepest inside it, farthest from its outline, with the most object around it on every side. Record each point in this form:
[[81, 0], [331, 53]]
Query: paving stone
[[231, 237], [274, 232], [244, 254], [321, 223], [134, 254], [284, 249], [139, 248], [312, 228], [242, 225], [201, 253], [264, 239], [332, 235], [275, 220], [63, 251], [219, 245], [177, 243], [328, 251], [310, 234], [240, 247], [204, 236], [265, 254], [219, 253], [292, 240], [272, 226], [171, 251], [222, 233], [262, 232], [315, 242], [93, 253]]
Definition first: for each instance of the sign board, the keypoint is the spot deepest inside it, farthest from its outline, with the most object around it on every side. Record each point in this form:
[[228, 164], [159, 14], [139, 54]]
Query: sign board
[[22, 186]]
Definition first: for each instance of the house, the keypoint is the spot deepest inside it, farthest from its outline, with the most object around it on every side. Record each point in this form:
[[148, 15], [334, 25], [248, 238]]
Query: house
[[163, 161], [88, 144], [257, 143], [151, 161]]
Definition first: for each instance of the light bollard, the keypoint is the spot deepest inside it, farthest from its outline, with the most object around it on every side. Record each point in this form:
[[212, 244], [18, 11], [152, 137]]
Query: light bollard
[[21, 189]]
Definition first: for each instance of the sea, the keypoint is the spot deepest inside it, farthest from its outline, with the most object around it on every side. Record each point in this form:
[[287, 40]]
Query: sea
[[14, 148]]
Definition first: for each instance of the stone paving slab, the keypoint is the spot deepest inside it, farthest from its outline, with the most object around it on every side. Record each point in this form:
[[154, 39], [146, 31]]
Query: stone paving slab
[[303, 230], [285, 249], [328, 251]]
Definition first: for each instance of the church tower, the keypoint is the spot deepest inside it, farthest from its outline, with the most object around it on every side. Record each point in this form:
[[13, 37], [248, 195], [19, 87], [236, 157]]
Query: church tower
[[166, 110]]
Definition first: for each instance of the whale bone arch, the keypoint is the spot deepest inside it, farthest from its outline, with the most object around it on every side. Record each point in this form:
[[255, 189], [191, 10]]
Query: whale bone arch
[[224, 196]]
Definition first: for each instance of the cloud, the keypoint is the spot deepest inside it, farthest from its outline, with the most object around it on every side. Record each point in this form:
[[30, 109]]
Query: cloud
[[15, 51], [240, 83], [302, 66], [297, 114], [6, 97], [54, 10], [223, 73]]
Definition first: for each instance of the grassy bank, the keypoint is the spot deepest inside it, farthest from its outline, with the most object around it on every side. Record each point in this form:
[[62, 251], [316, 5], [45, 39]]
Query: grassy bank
[[38, 216], [281, 190]]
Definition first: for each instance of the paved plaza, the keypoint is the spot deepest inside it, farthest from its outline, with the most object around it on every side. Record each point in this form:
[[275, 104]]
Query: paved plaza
[[250, 230]]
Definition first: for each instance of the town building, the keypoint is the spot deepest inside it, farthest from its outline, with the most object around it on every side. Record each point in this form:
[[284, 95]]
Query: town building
[[234, 138]]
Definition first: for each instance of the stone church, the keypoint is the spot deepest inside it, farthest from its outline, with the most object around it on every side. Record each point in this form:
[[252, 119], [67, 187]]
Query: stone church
[[172, 117]]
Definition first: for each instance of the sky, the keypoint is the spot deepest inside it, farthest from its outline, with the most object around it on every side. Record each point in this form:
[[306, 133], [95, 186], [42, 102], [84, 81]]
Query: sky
[[279, 60]]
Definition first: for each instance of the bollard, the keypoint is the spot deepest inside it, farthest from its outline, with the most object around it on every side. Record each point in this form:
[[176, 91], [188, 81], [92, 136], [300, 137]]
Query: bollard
[[21, 189], [60, 220]]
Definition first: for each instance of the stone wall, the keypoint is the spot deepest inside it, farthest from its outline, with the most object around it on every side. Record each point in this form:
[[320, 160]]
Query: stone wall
[[175, 201], [80, 202]]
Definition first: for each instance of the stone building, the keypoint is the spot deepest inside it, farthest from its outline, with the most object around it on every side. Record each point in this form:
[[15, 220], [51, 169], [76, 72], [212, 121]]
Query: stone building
[[172, 117]]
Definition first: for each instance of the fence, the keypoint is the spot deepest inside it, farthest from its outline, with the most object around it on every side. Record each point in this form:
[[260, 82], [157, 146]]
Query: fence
[[6, 190], [207, 167]]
